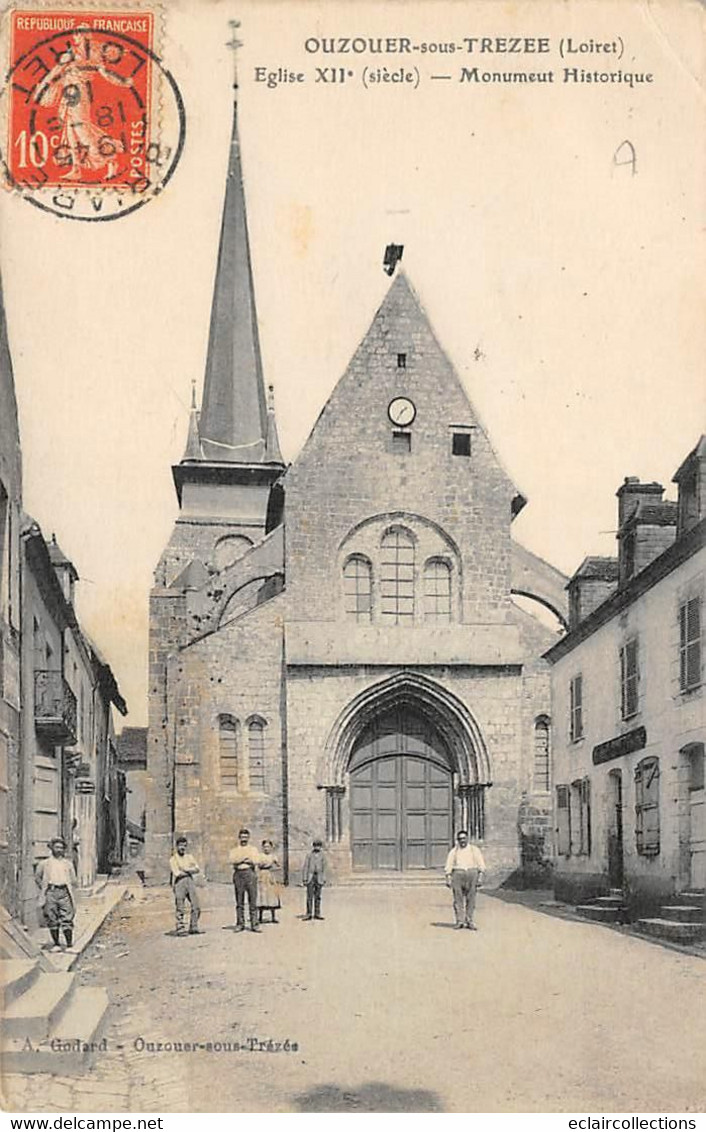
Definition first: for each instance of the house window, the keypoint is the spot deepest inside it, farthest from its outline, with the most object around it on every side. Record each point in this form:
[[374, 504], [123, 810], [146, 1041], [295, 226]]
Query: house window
[[696, 767], [228, 751], [256, 755], [397, 576], [401, 361], [437, 590], [629, 679], [563, 821], [647, 807], [461, 444], [541, 756], [401, 443], [581, 817], [690, 644], [358, 588], [576, 708]]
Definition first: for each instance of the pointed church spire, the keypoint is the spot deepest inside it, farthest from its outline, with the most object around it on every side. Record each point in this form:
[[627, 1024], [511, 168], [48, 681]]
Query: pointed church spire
[[193, 441], [233, 421], [273, 451]]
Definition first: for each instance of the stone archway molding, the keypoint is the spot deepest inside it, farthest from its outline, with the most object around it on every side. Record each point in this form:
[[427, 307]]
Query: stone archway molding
[[455, 723]]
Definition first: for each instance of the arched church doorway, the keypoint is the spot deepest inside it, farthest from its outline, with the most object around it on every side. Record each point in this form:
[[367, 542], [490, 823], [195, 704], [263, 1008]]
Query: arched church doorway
[[401, 793]]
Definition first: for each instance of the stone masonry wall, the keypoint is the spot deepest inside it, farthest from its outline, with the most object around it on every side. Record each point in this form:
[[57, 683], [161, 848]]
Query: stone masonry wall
[[235, 671]]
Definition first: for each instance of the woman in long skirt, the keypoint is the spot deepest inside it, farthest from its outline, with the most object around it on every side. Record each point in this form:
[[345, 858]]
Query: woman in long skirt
[[268, 889]]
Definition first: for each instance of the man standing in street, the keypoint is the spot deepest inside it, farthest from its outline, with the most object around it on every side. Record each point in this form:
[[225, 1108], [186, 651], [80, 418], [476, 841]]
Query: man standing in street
[[245, 859], [57, 883], [464, 867], [314, 878], [184, 868]]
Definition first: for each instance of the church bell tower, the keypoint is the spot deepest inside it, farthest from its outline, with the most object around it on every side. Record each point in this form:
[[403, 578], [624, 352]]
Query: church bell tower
[[232, 455]]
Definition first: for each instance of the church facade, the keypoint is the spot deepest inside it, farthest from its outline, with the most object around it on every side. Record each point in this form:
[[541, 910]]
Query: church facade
[[335, 645]]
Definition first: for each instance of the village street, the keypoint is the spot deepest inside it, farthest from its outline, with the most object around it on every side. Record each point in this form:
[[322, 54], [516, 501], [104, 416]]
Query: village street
[[389, 1010]]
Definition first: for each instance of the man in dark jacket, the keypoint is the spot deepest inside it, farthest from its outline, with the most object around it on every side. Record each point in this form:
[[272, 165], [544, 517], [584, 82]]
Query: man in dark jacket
[[314, 878]]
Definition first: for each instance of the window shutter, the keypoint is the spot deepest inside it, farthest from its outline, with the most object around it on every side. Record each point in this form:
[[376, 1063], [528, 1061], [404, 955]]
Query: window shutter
[[693, 632], [629, 679], [576, 707], [647, 807], [690, 644], [563, 821], [586, 815]]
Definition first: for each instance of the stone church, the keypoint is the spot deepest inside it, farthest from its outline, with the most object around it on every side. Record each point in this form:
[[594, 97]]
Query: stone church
[[335, 645]]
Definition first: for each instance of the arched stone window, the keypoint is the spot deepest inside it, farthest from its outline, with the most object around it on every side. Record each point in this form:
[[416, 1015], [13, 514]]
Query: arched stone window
[[437, 590], [228, 752], [229, 549], [256, 755], [397, 576], [358, 588], [541, 772]]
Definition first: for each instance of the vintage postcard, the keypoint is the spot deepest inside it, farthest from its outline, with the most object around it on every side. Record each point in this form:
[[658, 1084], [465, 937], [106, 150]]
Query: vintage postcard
[[352, 576]]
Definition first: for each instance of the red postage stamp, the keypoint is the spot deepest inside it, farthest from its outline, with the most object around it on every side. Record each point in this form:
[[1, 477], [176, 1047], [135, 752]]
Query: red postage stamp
[[79, 105], [80, 114]]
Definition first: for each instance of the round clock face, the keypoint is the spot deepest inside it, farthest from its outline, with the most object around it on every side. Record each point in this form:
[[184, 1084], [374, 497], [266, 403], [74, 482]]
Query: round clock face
[[401, 411]]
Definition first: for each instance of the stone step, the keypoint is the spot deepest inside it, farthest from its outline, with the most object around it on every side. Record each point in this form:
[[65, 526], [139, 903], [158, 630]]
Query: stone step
[[608, 901], [693, 896], [72, 1044], [96, 889], [390, 880], [600, 913], [34, 1013], [671, 929], [16, 976], [686, 913]]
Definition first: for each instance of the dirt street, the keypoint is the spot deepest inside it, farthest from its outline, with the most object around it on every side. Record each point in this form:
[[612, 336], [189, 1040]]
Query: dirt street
[[384, 1007]]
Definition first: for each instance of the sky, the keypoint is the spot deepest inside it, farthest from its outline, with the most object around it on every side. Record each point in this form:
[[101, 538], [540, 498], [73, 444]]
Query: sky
[[567, 290]]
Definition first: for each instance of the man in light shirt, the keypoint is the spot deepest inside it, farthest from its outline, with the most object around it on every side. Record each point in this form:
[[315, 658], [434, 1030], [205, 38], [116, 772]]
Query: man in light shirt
[[463, 869], [57, 884], [184, 868], [245, 859]]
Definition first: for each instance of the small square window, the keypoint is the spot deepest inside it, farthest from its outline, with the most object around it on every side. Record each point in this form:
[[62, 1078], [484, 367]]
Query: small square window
[[402, 361], [401, 442], [461, 444]]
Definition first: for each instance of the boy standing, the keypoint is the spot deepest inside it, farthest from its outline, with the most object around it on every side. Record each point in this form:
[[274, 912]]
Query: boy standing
[[57, 883], [183, 869], [314, 877]]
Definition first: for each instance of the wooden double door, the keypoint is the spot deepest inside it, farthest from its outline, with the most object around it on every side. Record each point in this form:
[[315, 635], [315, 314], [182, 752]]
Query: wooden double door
[[401, 813]]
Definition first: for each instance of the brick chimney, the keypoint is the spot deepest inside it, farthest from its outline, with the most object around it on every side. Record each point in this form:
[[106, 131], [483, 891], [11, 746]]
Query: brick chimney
[[592, 584], [647, 525]]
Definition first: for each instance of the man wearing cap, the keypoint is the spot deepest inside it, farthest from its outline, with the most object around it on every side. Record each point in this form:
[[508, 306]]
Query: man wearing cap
[[463, 869], [57, 885], [314, 879], [245, 859]]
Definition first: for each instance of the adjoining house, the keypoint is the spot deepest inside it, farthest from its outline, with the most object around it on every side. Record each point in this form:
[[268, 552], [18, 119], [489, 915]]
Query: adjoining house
[[629, 709], [132, 761], [58, 774]]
